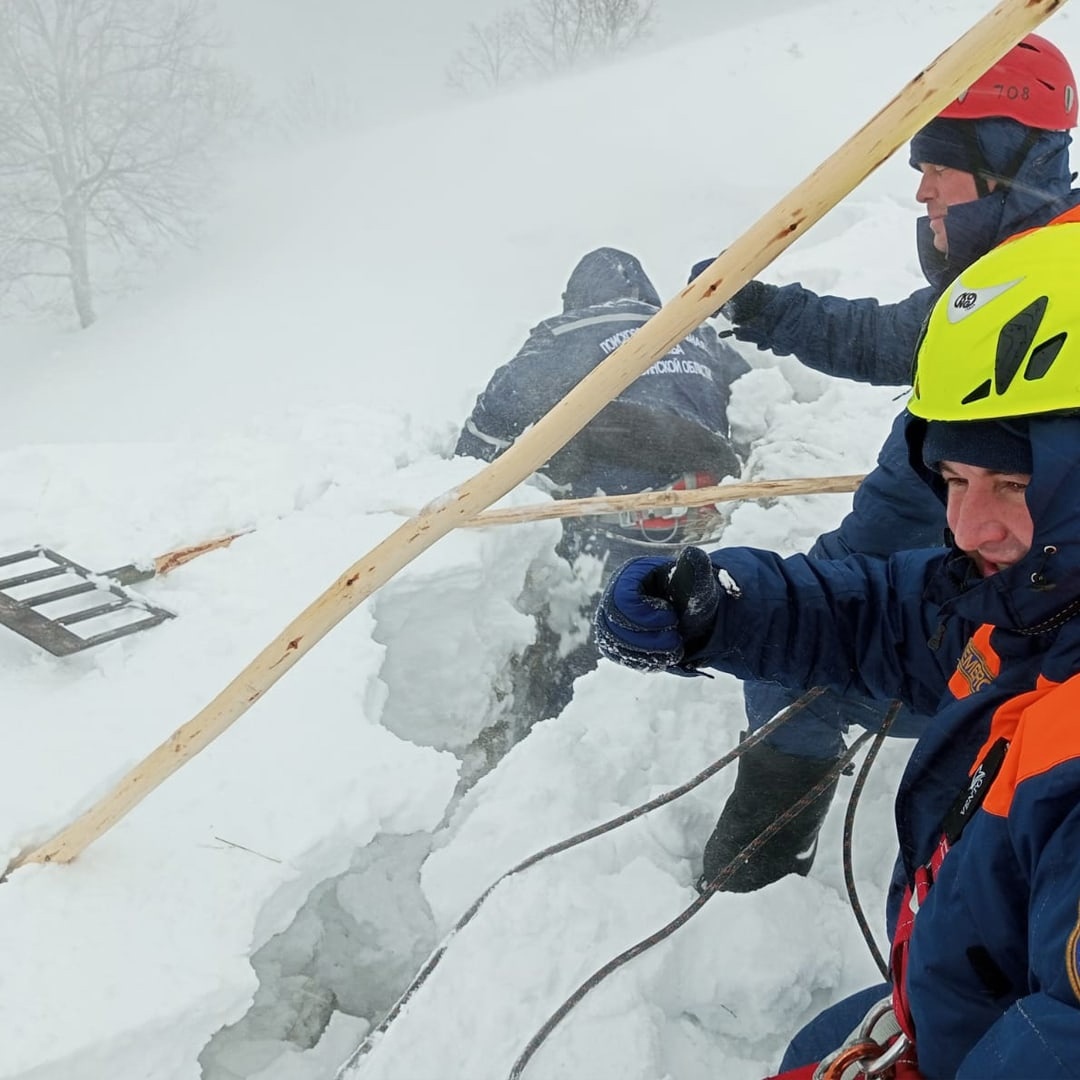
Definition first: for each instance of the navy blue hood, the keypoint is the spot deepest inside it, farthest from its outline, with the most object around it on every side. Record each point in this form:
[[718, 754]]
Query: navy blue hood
[[604, 275], [1034, 186]]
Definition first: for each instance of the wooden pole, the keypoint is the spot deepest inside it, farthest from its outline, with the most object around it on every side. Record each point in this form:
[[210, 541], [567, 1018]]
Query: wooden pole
[[918, 102], [654, 500], [167, 563]]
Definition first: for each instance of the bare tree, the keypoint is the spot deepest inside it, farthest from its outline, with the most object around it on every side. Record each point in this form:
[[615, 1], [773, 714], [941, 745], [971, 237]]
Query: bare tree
[[109, 111], [312, 105], [614, 25], [558, 34], [545, 37], [493, 55]]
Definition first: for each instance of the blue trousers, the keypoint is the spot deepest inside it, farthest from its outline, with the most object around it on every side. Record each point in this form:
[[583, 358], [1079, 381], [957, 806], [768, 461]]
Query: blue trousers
[[817, 730], [830, 1028]]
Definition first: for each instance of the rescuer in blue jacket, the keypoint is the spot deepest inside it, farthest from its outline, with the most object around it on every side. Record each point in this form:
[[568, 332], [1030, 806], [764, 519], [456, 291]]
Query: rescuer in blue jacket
[[995, 162], [667, 429], [983, 638]]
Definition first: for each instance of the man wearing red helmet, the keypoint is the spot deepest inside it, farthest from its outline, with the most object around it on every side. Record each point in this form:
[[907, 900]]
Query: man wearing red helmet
[[979, 145], [994, 163]]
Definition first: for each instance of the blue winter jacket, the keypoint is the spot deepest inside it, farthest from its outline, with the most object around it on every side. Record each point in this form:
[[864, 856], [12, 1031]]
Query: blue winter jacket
[[994, 964], [867, 341], [871, 342], [670, 420]]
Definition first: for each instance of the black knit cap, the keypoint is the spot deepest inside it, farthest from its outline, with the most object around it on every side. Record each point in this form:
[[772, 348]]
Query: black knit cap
[[995, 146], [998, 445]]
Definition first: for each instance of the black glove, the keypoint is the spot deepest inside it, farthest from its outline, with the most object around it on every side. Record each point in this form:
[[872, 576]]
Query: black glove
[[656, 610], [748, 302]]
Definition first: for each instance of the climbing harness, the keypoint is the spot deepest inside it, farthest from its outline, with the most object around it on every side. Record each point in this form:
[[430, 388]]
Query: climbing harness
[[884, 1043], [873, 1049], [672, 524], [960, 813]]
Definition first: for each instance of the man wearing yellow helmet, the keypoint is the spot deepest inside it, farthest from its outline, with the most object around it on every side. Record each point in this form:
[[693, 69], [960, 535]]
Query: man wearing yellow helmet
[[984, 636], [994, 163]]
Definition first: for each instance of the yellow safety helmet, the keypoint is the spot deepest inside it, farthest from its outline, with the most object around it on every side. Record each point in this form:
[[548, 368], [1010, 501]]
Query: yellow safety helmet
[[1004, 339]]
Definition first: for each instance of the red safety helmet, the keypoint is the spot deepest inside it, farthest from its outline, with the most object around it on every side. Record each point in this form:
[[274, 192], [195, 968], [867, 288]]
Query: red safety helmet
[[1032, 83]]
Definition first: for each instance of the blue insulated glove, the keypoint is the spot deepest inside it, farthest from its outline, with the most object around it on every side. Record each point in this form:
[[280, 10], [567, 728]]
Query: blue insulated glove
[[655, 610]]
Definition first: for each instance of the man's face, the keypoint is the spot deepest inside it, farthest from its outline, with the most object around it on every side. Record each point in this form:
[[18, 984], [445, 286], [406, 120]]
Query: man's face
[[940, 188], [988, 514]]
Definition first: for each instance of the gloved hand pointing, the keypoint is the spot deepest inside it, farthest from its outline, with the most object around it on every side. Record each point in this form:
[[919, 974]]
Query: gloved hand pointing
[[656, 610]]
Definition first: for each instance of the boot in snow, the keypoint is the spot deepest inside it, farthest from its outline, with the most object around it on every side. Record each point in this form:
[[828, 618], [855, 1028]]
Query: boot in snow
[[768, 783]]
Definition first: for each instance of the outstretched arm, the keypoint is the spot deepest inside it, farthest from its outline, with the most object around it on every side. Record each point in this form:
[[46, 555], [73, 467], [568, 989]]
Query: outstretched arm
[[862, 340], [858, 624]]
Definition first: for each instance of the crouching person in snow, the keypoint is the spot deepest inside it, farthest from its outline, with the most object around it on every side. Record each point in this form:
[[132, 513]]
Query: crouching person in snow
[[668, 429], [983, 636], [991, 165]]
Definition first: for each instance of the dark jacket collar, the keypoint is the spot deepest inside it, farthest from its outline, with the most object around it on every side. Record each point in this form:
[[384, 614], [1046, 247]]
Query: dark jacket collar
[[1042, 591], [1039, 192]]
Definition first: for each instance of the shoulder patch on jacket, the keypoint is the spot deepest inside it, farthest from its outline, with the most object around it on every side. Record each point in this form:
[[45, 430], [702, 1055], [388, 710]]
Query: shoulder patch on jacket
[[1072, 957], [978, 665]]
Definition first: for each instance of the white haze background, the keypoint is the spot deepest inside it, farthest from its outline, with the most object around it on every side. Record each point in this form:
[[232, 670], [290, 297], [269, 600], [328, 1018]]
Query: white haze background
[[304, 375]]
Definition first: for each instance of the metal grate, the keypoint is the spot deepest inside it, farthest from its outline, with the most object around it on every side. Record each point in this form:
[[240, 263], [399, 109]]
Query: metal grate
[[65, 608]]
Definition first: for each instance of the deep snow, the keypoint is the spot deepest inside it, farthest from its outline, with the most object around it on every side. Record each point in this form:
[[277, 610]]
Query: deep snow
[[304, 376]]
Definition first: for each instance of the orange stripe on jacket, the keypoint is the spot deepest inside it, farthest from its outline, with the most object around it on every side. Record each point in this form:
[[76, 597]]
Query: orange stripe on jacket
[[1070, 216], [1045, 734]]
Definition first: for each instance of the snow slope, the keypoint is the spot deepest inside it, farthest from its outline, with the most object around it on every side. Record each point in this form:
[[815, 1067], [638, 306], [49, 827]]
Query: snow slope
[[304, 377]]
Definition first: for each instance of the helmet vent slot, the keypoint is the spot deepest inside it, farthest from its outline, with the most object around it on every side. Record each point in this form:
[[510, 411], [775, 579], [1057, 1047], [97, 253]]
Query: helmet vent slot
[[1014, 341], [980, 392], [1043, 356]]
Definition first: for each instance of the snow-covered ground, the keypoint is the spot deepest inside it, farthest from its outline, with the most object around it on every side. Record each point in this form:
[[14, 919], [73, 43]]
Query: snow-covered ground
[[304, 377]]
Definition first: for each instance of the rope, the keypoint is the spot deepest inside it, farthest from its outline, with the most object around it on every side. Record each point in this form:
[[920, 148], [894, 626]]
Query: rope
[[849, 825], [602, 973], [564, 845]]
